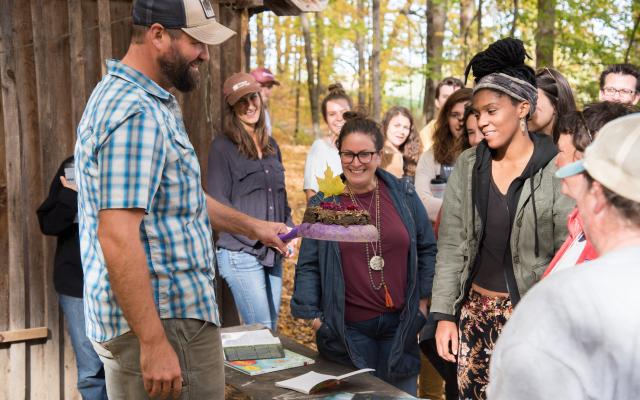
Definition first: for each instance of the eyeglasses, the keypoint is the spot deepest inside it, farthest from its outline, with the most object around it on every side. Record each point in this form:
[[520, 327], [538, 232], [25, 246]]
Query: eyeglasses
[[364, 157], [611, 91]]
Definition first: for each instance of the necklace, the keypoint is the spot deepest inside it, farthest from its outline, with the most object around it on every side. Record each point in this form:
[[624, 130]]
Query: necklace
[[376, 263]]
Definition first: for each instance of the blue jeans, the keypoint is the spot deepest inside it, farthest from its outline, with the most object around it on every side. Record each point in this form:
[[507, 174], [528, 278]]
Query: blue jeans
[[372, 340], [91, 383], [256, 289]]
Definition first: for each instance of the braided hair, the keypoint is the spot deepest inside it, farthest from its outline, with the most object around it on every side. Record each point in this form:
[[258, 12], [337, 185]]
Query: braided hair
[[507, 56]]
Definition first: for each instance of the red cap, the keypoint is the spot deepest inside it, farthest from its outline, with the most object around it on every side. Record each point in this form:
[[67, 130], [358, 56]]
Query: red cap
[[264, 76]]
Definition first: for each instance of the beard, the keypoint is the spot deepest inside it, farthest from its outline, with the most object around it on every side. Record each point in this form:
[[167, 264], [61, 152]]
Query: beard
[[178, 71]]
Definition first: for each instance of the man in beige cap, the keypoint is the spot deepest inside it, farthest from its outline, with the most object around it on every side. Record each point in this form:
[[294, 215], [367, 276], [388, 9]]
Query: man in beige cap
[[576, 335], [145, 222]]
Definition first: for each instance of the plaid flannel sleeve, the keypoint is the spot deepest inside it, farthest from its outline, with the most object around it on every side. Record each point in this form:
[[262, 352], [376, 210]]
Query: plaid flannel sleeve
[[130, 163]]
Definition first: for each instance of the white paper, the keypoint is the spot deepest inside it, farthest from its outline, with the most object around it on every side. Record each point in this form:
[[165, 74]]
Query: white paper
[[306, 382], [248, 338]]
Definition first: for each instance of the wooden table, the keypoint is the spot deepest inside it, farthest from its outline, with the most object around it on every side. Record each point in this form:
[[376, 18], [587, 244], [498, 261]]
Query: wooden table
[[365, 386]]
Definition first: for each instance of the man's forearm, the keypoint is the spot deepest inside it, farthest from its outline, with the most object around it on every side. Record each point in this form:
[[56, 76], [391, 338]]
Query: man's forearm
[[226, 219], [129, 276]]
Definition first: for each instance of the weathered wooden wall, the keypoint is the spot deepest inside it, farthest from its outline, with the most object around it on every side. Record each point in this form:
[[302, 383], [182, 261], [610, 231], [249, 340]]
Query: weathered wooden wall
[[51, 57]]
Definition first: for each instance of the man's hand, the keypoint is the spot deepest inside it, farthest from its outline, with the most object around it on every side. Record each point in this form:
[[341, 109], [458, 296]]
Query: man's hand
[[447, 333], [161, 372], [267, 233]]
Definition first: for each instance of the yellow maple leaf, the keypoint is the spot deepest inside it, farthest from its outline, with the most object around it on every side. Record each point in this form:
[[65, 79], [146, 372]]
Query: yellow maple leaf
[[330, 185]]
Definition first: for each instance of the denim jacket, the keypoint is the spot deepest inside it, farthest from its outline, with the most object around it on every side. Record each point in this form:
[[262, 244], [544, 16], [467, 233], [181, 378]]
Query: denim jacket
[[319, 286]]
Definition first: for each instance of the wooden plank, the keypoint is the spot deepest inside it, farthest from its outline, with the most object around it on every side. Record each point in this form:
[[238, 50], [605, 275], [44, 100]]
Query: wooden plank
[[76, 44], [4, 256], [22, 335], [15, 196], [104, 29], [120, 27], [50, 42], [69, 370], [91, 44], [33, 193]]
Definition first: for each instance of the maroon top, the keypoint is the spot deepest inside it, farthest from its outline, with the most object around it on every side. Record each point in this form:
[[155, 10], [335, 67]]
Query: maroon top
[[362, 302]]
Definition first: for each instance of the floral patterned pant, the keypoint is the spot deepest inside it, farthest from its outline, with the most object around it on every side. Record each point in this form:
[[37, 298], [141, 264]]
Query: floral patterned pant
[[481, 321]]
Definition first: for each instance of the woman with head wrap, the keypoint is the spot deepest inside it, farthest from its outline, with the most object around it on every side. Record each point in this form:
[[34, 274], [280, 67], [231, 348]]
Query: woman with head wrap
[[503, 217]]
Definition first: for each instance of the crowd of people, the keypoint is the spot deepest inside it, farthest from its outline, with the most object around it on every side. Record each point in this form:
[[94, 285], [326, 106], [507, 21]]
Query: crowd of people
[[508, 185]]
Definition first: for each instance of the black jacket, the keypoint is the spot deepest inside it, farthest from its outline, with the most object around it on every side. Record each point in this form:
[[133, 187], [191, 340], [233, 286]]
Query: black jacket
[[56, 216]]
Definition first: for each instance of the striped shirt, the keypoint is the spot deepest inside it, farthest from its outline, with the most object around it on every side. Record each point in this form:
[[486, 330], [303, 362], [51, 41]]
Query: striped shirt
[[133, 152]]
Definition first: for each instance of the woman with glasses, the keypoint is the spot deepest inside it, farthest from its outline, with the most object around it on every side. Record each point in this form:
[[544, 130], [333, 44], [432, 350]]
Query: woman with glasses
[[577, 131], [436, 163], [402, 143], [555, 99], [245, 172], [367, 301], [503, 217], [323, 152]]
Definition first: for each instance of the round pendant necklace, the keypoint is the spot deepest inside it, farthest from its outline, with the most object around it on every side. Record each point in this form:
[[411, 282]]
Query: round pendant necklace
[[375, 263]]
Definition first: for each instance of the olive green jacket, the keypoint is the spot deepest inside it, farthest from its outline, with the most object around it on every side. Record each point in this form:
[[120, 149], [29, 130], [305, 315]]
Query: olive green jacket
[[458, 245]]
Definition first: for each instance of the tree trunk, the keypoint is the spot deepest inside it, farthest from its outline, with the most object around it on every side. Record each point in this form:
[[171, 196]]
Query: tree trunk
[[515, 18], [362, 66], [376, 90], [260, 48], [277, 29], [632, 36], [545, 36], [480, 33], [436, 19], [466, 16], [320, 54], [311, 81], [296, 133]]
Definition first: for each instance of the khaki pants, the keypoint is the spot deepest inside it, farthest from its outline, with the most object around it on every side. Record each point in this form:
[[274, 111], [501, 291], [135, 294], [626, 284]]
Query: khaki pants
[[199, 349]]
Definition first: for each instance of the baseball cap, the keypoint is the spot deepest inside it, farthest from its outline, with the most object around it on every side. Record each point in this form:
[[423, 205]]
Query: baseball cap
[[612, 158], [264, 76], [195, 17], [238, 85]]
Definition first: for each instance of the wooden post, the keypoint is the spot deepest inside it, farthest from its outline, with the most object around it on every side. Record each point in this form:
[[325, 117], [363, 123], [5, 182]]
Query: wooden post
[[104, 27], [15, 197], [76, 42]]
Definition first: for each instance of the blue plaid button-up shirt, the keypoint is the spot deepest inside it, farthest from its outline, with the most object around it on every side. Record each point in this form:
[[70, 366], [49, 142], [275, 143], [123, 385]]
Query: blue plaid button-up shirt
[[133, 152]]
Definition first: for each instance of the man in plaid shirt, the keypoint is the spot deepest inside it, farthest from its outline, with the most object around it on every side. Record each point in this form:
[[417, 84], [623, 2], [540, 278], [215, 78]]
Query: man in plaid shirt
[[145, 222]]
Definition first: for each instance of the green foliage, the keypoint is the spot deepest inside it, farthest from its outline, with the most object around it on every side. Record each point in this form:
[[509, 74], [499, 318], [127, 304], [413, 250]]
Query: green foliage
[[589, 34]]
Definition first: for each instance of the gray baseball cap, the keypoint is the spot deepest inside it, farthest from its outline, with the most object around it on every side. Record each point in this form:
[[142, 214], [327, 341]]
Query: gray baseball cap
[[195, 17]]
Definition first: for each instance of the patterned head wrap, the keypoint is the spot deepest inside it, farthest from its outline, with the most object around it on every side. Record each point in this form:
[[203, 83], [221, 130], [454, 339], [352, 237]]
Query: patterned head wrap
[[516, 88]]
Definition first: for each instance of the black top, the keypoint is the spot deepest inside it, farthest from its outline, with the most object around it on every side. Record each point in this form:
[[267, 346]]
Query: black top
[[56, 216], [495, 253], [543, 152], [255, 187]]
